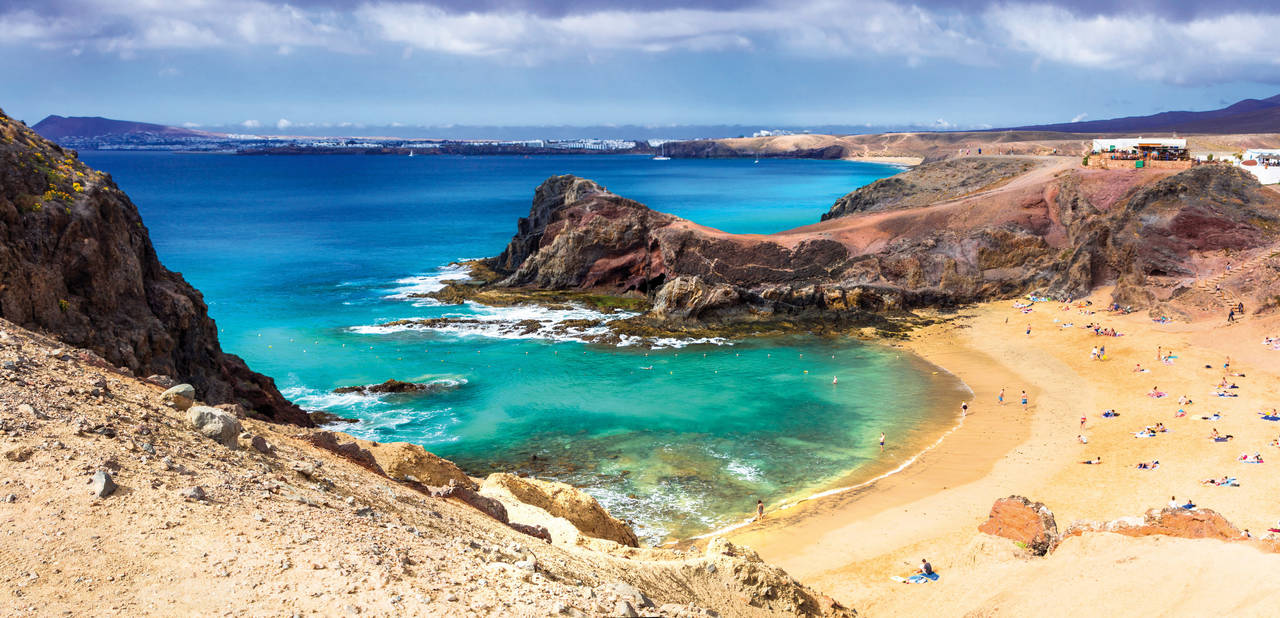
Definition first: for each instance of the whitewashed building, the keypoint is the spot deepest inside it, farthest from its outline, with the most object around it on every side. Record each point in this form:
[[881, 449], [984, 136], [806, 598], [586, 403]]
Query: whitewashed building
[[1263, 163]]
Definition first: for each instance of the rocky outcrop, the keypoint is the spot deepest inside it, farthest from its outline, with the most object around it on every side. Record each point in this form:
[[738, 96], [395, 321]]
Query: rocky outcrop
[[1182, 523], [564, 501], [1023, 521], [401, 461], [394, 386], [76, 261], [996, 234], [931, 183]]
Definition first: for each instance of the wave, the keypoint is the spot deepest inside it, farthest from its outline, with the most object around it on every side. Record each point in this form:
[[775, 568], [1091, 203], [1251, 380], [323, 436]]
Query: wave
[[412, 288], [578, 324], [378, 418]]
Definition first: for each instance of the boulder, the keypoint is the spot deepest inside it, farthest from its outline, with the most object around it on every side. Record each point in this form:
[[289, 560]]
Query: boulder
[[181, 396], [19, 453], [484, 504], [215, 423], [568, 502], [400, 460], [329, 441], [102, 485], [1019, 519]]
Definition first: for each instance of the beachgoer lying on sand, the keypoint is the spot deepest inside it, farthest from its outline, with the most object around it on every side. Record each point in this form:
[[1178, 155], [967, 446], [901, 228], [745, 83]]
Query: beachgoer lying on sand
[[1092, 462], [1082, 439], [1225, 394], [1213, 417], [1184, 401], [1256, 458], [1110, 414], [1156, 392], [1138, 369], [1189, 505], [1226, 481], [1151, 465]]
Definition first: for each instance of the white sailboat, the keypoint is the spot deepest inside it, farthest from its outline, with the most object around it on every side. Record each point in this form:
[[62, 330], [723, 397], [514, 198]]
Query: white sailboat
[[662, 153], [411, 153]]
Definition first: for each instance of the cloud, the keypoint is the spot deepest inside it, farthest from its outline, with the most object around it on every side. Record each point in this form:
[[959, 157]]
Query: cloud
[[1079, 117], [191, 125], [1140, 39], [808, 27], [251, 124], [1203, 49], [283, 124]]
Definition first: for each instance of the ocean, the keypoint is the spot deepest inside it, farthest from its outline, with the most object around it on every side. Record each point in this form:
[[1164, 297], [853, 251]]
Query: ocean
[[302, 258]]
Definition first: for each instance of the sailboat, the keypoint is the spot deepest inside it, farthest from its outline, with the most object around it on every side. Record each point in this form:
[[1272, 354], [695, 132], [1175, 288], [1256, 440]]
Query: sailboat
[[662, 153], [411, 153]]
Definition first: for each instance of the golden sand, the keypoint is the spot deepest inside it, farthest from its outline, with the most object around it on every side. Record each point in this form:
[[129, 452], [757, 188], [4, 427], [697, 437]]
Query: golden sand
[[848, 545]]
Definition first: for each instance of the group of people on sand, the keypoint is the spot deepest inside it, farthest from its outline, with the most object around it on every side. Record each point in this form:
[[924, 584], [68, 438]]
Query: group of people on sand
[[1101, 331]]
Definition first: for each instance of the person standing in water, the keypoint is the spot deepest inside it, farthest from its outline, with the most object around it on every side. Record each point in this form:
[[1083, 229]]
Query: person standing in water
[[759, 510], [882, 442]]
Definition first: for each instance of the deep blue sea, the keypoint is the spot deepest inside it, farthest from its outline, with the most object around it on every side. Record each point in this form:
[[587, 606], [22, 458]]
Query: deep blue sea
[[300, 258]]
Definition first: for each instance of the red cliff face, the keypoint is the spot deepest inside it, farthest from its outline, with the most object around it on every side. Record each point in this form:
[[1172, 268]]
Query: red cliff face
[[915, 241], [77, 262]]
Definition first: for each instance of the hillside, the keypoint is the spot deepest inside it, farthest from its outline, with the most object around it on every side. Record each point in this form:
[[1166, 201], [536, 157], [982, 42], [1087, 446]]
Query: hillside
[[937, 236], [61, 127], [1247, 116], [119, 498], [76, 261]]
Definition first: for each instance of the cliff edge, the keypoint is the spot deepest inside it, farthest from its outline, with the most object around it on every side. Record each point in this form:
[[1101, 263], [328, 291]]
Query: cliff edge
[[76, 262]]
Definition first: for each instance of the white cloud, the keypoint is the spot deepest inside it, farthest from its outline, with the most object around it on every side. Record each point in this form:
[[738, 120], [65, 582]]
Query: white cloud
[[283, 124], [1231, 45], [1079, 117], [251, 124], [809, 27], [191, 125], [1205, 49]]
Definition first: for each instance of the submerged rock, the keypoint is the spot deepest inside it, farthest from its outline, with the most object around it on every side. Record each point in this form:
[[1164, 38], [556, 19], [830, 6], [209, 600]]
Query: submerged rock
[[395, 386]]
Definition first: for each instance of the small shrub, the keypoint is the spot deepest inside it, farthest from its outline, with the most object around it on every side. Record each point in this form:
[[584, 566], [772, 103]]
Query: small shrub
[[63, 304], [1086, 161]]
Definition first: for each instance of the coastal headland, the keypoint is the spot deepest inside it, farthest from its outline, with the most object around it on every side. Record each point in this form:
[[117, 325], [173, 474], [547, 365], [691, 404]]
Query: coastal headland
[[152, 503]]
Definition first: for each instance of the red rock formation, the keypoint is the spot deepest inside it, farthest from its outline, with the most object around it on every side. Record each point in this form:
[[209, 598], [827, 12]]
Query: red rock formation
[[1024, 521]]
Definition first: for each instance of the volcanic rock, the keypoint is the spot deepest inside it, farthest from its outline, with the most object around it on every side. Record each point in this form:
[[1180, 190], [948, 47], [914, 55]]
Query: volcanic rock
[[76, 261], [1021, 520]]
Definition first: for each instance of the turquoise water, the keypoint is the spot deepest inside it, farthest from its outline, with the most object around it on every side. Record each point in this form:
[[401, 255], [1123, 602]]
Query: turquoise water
[[301, 258]]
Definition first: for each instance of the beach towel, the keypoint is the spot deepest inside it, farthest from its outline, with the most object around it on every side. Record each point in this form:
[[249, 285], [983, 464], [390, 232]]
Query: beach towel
[[1268, 417], [1221, 439], [918, 578], [1143, 434], [1157, 395]]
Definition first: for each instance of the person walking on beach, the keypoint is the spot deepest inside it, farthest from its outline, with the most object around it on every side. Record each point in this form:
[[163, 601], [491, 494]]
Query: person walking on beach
[[1000, 397], [1024, 401], [1028, 330], [882, 442], [759, 510], [964, 409], [1083, 418]]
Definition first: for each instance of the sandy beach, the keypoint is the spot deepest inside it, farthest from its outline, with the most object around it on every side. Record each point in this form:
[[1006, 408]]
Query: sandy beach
[[850, 544]]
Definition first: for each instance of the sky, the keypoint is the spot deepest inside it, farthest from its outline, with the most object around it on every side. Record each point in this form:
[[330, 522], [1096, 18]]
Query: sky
[[305, 66]]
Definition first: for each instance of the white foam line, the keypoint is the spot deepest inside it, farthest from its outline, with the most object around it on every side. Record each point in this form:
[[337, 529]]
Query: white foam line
[[839, 490]]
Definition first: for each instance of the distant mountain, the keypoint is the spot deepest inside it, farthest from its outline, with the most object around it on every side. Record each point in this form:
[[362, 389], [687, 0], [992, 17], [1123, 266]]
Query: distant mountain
[[1247, 116], [85, 127]]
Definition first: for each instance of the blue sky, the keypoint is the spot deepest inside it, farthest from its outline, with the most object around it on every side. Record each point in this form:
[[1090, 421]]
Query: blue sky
[[268, 66]]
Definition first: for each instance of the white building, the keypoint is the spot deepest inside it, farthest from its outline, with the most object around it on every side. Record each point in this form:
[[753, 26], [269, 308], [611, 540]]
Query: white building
[[1136, 144], [1263, 163]]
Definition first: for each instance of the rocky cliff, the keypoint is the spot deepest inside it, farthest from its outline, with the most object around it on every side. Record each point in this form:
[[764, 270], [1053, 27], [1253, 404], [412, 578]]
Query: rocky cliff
[[76, 261], [961, 231]]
